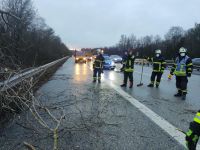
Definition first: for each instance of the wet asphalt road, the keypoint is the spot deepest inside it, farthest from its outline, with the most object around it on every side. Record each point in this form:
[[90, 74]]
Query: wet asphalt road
[[97, 117], [161, 100]]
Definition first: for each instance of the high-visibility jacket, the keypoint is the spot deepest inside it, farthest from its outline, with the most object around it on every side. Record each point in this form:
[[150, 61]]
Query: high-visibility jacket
[[129, 64], [159, 64], [195, 125], [98, 62], [197, 117], [182, 67]]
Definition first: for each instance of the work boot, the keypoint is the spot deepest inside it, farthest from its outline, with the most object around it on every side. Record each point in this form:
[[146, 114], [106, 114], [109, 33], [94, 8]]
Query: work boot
[[99, 81], [184, 97], [123, 85], [131, 85], [179, 94], [150, 85], [157, 86], [94, 81]]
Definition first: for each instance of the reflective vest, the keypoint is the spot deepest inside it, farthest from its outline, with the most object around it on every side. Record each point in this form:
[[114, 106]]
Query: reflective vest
[[98, 63], [129, 65], [181, 66]]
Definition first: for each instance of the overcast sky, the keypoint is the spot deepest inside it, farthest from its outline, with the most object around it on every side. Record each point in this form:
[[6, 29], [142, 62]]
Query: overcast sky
[[96, 23]]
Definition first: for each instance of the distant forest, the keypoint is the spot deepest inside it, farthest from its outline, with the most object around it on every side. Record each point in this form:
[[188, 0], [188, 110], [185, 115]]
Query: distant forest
[[25, 39], [175, 38]]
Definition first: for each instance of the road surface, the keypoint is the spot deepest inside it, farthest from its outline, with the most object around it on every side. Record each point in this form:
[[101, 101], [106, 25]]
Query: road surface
[[105, 116]]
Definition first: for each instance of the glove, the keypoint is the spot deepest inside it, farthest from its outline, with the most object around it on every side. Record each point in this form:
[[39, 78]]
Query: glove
[[101, 70], [191, 140], [170, 76]]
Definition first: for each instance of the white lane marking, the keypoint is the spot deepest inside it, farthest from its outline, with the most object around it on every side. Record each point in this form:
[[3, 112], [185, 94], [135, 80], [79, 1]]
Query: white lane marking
[[158, 120]]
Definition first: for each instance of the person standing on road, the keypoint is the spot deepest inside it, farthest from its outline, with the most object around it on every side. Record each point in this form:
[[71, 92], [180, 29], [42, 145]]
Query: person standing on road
[[182, 68], [98, 66], [123, 63], [159, 65], [128, 69], [192, 136]]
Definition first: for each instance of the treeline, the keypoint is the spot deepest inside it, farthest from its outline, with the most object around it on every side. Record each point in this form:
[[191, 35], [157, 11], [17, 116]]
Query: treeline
[[25, 39], [175, 38]]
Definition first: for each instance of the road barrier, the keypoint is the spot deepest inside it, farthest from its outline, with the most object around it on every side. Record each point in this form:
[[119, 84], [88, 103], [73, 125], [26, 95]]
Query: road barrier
[[11, 82]]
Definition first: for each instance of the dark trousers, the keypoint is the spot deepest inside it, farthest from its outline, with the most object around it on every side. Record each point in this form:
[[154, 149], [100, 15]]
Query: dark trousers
[[128, 75], [97, 74], [157, 76], [181, 84]]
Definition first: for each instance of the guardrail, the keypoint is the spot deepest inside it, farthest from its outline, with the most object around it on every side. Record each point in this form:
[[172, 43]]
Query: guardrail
[[4, 85]]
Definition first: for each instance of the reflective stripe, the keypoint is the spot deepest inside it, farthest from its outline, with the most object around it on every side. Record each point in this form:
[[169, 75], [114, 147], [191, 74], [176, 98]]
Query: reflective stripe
[[129, 70], [158, 71], [159, 68], [197, 118], [99, 60], [190, 64], [196, 138], [129, 62], [184, 90], [157, 83], [189, 133]]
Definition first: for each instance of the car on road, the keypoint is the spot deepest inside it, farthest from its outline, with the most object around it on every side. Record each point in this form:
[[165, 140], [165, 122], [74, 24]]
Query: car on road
[[88, 58], [116, 58], [80, 57], [196, 63], [108, 63]]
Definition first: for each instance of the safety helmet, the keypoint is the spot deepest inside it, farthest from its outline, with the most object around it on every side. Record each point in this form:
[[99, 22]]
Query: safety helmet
[[158, 51], [98, 51], [182, 50]]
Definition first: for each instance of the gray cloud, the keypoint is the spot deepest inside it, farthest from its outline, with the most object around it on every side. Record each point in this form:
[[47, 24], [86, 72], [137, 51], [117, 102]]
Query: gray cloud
[[93, 23]]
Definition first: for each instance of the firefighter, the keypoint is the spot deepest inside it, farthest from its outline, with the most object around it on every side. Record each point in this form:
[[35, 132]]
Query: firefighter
[[182, 69], [158, 68], [123, 63], [192, 136], [98, 66], [128, 69]]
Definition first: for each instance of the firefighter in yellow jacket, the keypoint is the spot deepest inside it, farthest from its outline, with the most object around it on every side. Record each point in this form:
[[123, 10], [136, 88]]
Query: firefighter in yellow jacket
[[128, 68], [182, 69], [158, 68], [98, 66], [192, 136]]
